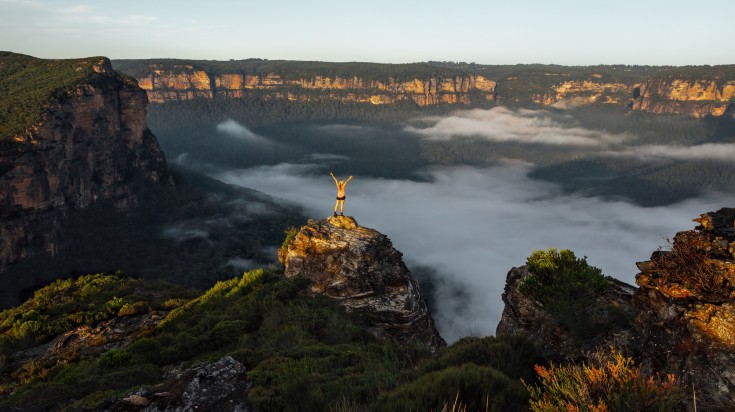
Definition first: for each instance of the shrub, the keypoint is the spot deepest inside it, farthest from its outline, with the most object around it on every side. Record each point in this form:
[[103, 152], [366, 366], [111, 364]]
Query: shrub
[[115, 359], [290, 236], [610, 382], [566, 286], [475, 386]]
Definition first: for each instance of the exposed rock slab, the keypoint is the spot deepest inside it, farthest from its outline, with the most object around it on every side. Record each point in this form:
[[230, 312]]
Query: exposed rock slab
[[359, 268], [215, 386]]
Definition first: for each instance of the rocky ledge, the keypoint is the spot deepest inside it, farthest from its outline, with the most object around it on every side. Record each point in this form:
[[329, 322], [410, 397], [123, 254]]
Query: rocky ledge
[[360, 268]]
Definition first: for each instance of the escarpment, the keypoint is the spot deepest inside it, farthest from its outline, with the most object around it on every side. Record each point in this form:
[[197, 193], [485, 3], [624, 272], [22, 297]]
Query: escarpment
[[697, 98], [184, 82], [91, 145], [360, 269], [690, 91], [680, 320]]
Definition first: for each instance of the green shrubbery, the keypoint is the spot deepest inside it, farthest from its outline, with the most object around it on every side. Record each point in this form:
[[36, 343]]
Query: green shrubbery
[[27, 84], [67, 303], [302, 353], [567, 286], [474, 372]]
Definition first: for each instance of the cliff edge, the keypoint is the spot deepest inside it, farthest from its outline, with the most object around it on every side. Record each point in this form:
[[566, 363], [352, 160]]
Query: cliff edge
[[91, 144], [360, 268]]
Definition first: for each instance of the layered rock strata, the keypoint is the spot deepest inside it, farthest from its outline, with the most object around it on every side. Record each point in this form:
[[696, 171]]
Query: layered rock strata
[[697, 98], [359, 268], [186, 83]]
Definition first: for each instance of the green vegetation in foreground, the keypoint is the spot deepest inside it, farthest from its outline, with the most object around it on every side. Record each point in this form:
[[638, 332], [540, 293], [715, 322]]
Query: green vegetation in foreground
[[27, 84], [67, 303], [568, 287], [303, 353]]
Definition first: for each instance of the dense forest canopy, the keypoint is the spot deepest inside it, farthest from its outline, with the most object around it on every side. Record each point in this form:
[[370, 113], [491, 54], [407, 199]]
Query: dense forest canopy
[[27, 84], [291, 69]]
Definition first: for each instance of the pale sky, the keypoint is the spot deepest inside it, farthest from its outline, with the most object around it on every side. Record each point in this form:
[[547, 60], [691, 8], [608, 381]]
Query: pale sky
[[568, 32]]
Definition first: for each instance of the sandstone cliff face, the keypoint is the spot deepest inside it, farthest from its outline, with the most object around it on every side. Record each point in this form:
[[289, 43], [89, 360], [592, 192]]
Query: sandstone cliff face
[[360, 269], [183, 82], [697, 98], [92, 144], [584, 92]]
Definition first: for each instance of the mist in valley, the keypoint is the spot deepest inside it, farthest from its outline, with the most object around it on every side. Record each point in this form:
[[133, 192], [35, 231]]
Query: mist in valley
[[455, 194]]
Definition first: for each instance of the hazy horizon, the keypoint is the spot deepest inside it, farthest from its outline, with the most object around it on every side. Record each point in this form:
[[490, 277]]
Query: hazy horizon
[[565, 33]]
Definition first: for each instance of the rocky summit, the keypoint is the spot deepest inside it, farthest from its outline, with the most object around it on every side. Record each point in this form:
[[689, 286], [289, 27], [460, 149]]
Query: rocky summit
[[360, 268]]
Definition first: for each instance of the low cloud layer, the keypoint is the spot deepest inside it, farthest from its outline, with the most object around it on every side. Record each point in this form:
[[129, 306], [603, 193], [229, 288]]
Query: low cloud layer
[[504, 125], [471, 225], [240, 132], [710, 151]]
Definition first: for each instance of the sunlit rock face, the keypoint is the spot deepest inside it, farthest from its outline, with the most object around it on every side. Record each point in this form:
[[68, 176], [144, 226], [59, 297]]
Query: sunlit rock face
[[697, 98], [183, 82], [93, 144], [584, 92], [360, 269], [686, 309]]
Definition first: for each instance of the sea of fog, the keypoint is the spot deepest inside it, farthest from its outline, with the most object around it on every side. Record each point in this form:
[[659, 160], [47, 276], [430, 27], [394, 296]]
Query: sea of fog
[[466, 227], [471, 225]]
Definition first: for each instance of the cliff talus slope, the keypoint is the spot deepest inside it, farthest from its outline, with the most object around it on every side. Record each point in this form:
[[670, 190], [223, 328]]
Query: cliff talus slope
[[360, 269]]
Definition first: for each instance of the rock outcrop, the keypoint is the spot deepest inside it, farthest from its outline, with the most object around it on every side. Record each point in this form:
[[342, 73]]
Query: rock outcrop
[[215, 386], [584, 92], [685, 308], [360, 269], [92, 145], [524, 316], [697, 98], [683, 313]]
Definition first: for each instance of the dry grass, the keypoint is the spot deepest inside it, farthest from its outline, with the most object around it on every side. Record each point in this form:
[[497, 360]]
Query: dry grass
[[690, 264]]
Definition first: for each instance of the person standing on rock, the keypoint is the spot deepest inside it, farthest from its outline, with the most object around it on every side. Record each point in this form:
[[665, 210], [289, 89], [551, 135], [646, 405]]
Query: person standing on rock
[[340, 193]]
